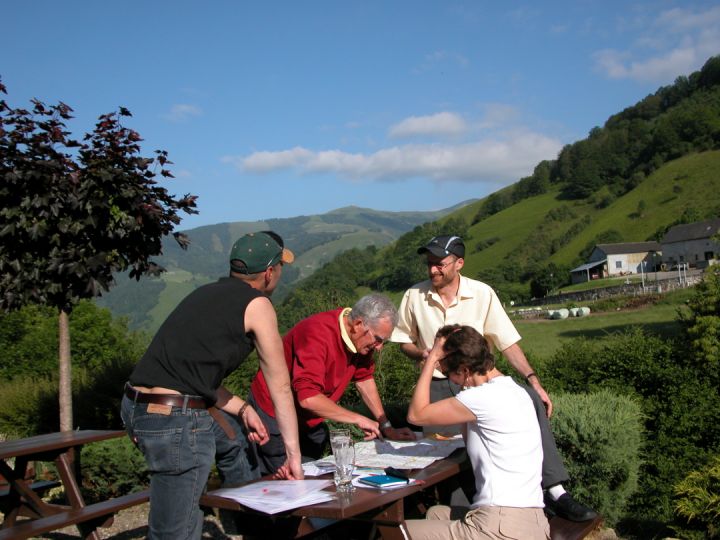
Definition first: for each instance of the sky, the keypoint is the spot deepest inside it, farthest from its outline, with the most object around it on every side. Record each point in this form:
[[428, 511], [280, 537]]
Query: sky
[[286, 108]]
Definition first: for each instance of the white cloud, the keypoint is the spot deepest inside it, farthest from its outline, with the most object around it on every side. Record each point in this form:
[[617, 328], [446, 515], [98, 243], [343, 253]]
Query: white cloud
[[440, 124], [498, 115], [677, 42], [182, 112], [660, 68], [502, 159], [269, 161], [438, 59], [684, 20]]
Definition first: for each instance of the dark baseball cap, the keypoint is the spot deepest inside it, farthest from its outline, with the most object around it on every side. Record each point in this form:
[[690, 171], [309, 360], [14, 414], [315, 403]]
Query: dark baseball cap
[[442, 246], [259, 251]]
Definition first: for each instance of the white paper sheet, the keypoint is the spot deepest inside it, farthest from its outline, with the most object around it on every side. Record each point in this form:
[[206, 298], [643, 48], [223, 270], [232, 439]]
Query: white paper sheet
[[402, 454], [273, 496]]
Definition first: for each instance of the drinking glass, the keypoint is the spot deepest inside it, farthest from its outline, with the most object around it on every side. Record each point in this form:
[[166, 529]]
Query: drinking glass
[[343, 451]]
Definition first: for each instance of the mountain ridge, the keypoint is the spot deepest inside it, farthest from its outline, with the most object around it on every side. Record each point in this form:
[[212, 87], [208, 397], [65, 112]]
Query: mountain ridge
[[314, 239]]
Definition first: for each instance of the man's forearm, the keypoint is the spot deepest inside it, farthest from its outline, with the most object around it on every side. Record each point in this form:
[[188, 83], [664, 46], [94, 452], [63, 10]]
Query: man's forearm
[[286, 416], [228, 402], [516, 357], [371, 397], [323, 407]]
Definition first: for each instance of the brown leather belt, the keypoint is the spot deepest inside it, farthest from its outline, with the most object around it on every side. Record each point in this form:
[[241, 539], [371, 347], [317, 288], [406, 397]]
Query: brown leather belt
[[175, 400]]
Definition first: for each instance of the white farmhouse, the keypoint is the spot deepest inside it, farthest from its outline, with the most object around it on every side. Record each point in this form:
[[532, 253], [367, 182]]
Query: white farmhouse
[[617, 260], [691, 243]]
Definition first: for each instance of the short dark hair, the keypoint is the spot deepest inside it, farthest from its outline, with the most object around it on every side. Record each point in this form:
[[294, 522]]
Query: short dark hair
[[465, 347]]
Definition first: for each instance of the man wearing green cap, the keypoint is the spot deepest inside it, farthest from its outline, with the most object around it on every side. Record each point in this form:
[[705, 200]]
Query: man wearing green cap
[[169, 399]]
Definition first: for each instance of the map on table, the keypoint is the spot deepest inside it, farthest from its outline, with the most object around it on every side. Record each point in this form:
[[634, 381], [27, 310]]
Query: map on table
[[401, 454]]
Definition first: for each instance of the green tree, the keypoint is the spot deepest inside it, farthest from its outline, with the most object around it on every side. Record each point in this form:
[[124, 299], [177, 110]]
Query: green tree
[[546, 279], [72, 214], [702, 321]]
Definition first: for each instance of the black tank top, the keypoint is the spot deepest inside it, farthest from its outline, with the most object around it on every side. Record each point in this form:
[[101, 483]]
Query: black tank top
[[201, 342]]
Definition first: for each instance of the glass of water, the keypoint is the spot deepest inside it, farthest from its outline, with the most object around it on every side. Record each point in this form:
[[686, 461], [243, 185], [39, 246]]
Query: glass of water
[[343, 451]]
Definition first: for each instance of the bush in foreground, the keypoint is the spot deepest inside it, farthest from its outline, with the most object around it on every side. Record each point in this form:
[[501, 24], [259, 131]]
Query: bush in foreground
[[600, 438], [697, 503]]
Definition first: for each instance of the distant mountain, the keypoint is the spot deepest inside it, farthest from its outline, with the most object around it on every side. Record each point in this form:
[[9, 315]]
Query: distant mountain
[[315, 240]]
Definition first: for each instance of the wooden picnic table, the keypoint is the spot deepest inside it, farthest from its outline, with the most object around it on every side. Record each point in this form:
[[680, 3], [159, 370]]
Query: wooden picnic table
[[384, 509], [63, 449]]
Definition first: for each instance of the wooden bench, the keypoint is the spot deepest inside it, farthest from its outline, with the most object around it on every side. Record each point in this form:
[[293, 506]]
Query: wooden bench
[[40, 487], [75, 516], [562, 529]]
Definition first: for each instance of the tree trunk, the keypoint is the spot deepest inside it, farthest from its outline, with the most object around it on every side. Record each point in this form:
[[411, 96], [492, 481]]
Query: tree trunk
[[65, 383]]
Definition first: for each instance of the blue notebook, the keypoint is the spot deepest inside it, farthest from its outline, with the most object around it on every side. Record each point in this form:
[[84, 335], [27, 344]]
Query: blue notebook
[[383, 480]]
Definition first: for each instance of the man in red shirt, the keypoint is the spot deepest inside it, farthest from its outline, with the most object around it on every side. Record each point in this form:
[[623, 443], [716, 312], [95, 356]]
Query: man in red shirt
[[324, 353]]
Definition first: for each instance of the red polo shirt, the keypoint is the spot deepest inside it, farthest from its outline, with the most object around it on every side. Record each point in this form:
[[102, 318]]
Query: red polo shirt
[[321, 360]]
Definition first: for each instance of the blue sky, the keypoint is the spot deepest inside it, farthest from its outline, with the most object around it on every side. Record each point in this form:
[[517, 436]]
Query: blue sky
[[279, 109]]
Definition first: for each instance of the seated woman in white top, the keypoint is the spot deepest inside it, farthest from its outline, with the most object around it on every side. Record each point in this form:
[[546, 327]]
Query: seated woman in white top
[[502, 437]]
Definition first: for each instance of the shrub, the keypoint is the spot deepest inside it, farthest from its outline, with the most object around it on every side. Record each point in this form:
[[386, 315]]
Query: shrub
[[27, 404], [97, 394], [112, 468], [599, 436], [680, 403], [697, 503], [30, 404]]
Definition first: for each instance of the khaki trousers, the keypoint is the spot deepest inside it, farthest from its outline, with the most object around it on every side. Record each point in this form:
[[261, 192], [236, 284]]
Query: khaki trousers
[[485, 522]]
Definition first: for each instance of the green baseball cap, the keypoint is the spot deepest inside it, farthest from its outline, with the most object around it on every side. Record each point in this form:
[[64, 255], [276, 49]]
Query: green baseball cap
[[258, 251]]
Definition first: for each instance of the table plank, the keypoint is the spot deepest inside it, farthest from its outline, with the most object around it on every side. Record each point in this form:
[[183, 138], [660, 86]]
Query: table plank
[[49, 442]]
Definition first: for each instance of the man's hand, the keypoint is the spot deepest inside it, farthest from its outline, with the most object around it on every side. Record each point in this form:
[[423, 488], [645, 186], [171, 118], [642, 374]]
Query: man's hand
[[290, 470], [370, 428], [399, 434], [257, 432], [421, 360], [543, 395]]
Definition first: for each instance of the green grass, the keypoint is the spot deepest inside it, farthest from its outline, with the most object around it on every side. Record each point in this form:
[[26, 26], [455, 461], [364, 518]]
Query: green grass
[[542, 337], [607, 282]]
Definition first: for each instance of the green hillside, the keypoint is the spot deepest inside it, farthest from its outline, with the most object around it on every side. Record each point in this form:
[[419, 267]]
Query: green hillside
[[315, 240], [688, 184]]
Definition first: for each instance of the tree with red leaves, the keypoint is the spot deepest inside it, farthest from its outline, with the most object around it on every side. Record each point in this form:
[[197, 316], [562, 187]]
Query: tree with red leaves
[[74, 213]]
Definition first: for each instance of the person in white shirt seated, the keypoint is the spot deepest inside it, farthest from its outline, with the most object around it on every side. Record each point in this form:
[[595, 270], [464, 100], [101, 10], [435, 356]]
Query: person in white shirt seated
[[502, 438]]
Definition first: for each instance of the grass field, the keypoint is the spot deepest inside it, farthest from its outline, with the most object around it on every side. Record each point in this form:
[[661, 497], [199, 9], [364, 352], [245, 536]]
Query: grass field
[[542, 337]]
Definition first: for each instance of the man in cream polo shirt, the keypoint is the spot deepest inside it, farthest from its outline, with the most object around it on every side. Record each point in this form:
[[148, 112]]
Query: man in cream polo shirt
[[447, 297]]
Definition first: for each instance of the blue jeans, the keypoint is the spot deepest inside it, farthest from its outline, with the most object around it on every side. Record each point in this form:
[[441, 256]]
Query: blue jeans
[[235, 459], [179, 449], [271, 455]]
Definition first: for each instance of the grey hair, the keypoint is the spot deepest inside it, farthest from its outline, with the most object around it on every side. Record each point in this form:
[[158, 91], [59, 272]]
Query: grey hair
[[372, 308]]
